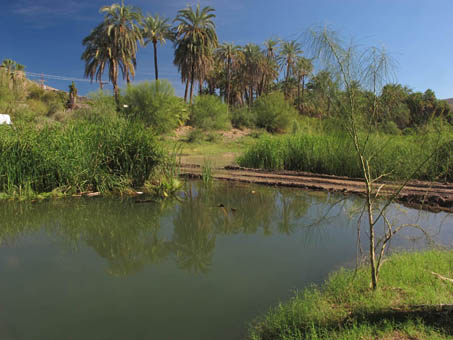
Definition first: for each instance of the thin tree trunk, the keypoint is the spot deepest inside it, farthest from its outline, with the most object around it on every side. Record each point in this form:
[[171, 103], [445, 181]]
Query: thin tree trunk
[[303, 92], [372, 242], [156, 72]]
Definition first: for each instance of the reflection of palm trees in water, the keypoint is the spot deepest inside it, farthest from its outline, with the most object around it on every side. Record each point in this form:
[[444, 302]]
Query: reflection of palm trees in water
[[193, 242], [130, 236]]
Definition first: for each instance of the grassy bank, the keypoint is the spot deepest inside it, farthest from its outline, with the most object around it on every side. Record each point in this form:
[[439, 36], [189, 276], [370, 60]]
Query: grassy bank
[[333, 153], [346, 308], [102, 155]]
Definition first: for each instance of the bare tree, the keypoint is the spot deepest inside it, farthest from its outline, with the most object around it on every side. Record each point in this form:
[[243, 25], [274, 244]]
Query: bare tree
[[368, 69]]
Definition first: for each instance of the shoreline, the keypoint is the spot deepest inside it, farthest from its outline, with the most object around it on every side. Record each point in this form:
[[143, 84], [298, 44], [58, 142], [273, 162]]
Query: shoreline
[[431, 196]]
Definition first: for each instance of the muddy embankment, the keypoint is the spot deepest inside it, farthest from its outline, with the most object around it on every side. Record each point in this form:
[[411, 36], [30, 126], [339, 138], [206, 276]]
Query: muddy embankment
[[431, 196]]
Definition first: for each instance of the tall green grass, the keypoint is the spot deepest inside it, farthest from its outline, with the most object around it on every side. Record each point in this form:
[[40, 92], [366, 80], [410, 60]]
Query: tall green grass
[[334, 154], [346, 308], [100, 155]]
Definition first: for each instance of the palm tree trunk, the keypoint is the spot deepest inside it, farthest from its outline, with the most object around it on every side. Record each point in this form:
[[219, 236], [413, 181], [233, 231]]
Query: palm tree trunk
[[155, 59], [191, 90], [116, 92], [186, 90], [303, 92], [298, 94], [228, 82], [115, 84], [191, 83]]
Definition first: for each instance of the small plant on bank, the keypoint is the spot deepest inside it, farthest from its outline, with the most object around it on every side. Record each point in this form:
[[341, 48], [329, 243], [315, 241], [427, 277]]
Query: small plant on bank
[[206, 172]]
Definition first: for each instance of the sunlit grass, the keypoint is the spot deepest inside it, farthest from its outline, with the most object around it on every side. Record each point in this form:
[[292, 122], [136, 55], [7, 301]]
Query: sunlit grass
[[345, 307]]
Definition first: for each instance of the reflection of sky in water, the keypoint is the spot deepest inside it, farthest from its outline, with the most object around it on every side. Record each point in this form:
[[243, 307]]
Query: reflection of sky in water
[[199, 269]]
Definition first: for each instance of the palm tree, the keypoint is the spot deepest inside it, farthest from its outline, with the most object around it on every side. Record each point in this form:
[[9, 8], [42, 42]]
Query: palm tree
[[156, 30], [10, 66], [97, 54], [289, 52], [228, 55], [253, 67], [114, 42], [196, 39], [270, 47], [303, 68]]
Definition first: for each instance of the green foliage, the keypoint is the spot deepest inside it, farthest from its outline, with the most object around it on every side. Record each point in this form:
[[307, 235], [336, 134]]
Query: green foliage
[[333, 153], [155, 104], [243, 118], [209, 113], [273, 112], [320, 313], [83, 155]]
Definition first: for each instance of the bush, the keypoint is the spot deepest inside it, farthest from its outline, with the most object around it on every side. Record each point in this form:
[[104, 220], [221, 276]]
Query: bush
[[273, 112], [155, 104], [243, 118], [209, 113]]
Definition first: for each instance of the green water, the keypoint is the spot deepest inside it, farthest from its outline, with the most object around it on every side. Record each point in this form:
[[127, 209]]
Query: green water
[[114, 269]]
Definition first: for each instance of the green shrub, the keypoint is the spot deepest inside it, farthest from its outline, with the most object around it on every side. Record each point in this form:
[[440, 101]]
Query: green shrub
[[209, 113], [155, 104], [243, 118], [273, 112]]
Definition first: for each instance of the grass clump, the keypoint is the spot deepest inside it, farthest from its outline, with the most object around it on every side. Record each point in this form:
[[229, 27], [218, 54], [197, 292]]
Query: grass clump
[[345, 307], [83, 155], [209, 113]]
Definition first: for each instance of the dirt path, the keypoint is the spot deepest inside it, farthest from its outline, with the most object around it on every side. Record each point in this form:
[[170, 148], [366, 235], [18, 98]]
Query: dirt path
[[423, 195]]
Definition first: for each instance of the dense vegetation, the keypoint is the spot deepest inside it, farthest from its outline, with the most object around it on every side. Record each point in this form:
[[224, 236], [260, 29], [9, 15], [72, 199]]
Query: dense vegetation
[[332, 152], [346, 308], [83, 155], [53, 148]]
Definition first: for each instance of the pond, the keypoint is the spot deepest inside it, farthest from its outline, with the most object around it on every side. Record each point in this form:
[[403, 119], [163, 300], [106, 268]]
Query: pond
[[199, 268]]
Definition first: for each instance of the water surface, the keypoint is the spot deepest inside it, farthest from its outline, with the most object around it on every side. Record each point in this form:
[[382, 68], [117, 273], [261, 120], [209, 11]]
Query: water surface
[[198, 269]]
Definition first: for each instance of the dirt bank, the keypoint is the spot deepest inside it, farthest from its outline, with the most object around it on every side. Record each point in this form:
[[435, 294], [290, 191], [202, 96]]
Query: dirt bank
[[422, 195]]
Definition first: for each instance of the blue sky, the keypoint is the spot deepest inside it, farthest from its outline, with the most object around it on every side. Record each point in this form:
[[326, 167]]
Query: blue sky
[[46, 35]]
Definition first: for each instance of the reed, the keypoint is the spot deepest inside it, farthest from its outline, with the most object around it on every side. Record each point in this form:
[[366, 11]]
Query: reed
[[334, 154], [102, 155]]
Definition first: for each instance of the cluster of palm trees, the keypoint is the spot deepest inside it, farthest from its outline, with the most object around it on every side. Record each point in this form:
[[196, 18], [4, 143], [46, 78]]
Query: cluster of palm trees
[[14, 71], [239, 74], [243, 73]]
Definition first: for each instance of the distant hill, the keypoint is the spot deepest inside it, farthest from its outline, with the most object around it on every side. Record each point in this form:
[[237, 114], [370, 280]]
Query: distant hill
[[450, 102]]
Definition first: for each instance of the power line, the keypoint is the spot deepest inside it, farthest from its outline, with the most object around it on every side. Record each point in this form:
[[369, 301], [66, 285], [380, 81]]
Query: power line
[[56, 77]]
